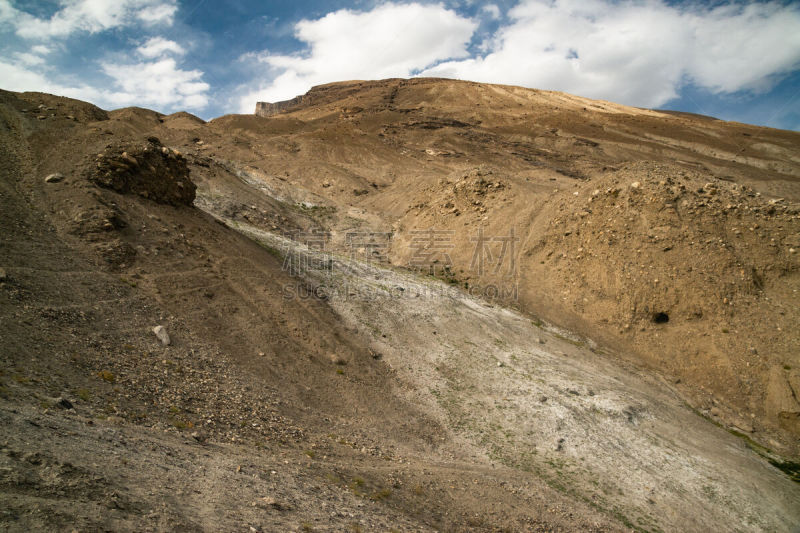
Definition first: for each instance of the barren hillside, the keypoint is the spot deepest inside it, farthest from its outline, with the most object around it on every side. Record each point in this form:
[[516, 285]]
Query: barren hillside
[[670, 236], [407, 305]]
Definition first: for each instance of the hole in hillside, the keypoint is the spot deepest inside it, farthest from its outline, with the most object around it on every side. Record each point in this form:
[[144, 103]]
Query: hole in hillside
[[660, 318]]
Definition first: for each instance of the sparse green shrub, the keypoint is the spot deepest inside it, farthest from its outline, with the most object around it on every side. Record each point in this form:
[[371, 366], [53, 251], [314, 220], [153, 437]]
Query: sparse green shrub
[[107, 376], [182, 424], [380, 495]]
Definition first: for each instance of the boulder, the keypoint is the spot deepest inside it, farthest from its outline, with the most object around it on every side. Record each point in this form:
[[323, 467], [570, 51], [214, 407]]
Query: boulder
[[162, 335]]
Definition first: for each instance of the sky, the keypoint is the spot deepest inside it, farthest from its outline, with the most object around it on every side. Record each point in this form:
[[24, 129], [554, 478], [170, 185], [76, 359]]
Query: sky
[[732, 60]]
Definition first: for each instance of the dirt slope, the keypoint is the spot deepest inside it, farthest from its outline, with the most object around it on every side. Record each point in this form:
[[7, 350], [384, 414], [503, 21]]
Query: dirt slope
[[278, 412], [621, 215], [243, 420]]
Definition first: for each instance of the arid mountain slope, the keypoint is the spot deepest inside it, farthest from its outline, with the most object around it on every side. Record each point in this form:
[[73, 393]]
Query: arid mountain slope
[[625, 218], [279, 406]]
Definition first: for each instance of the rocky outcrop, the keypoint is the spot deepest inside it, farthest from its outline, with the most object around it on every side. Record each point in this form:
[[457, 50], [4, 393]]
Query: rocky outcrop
[[150, 170], [267, 109]]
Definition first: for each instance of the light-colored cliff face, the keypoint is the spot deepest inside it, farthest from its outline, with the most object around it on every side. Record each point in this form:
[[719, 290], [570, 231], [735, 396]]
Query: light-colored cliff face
[[266, 109]]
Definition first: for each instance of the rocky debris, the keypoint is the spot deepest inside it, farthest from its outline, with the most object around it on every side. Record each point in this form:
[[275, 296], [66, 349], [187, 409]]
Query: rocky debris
[[436, 123], [472, 193], [684, 262], [97, 219], [479, 182], [47, 106], [270, 501], [115, 252], [162, 335], [64, 403], [54, 178], [3, 274], [350, 112], [150, 170], [337, 359]]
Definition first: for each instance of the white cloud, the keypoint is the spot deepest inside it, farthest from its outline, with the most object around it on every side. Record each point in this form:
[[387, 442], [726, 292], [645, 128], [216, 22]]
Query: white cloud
[[492, 10], [158, 13], [742, 47], [19, 77], [7, 11], [637, 52], [89, 16], [32, 57], [156, 81], [40, 49], [27, 58], [392, 40], [158, 47], [159, 83]]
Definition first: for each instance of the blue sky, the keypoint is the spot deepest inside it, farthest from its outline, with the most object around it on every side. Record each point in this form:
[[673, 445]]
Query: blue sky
[[735, 61]]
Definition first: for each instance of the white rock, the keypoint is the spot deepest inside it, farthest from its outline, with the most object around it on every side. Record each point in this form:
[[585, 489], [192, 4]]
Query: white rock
[[162, 335], [54, 178]]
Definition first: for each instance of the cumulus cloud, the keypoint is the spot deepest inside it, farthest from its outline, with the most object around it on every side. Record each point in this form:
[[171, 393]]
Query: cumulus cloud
[[392, 40], [158, 47], [638, 53], [159, 83], [20, 77], [155, 80], [91, 16]]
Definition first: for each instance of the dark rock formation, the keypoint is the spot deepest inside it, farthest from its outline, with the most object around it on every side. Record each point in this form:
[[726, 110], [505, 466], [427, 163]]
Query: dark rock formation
[[150, 170]]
